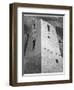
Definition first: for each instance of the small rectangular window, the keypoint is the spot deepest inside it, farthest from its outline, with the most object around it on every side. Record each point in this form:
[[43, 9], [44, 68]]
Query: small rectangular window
[[48, 27], [34, 41], [34, 23], [34, 26]]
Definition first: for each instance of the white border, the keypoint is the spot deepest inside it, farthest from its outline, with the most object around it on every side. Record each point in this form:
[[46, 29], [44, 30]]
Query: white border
[[51, 77]]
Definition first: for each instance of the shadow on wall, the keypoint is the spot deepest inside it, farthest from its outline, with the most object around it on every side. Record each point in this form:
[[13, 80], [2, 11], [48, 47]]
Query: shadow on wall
[[59, 31]]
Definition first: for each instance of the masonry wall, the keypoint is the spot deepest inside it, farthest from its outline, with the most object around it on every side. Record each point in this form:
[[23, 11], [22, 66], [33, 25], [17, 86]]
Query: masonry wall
[[51, 56], [32, 58]]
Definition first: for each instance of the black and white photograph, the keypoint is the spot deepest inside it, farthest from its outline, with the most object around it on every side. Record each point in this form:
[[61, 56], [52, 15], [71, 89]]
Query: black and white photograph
[[42, 43]]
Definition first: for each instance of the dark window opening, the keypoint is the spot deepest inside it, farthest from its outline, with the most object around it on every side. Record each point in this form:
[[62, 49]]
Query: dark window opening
[[48, 27], [34, 42], [34, 26], [48, 36], [57, 61], [59, 41]]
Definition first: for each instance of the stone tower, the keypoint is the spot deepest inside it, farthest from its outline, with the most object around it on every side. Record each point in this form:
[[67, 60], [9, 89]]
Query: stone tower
[[42, 53]]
